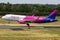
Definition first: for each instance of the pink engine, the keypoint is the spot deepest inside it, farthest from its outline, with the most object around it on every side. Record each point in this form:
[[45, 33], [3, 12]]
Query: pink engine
[[21, 21]]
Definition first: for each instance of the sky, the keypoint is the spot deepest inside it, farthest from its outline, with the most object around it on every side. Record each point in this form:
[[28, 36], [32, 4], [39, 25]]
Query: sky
[[31, 1]]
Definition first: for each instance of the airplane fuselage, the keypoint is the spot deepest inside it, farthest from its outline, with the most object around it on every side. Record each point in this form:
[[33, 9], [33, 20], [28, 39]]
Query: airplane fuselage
[[37, 19]]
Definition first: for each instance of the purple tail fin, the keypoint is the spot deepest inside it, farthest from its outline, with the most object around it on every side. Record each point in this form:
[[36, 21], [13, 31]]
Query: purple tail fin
[[53, 14]]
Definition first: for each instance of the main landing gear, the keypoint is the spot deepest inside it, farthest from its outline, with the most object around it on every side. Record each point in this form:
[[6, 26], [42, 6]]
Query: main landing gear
[[27, 23]]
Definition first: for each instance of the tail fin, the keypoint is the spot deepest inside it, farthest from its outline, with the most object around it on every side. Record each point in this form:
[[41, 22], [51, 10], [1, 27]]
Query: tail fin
[[53, 14]]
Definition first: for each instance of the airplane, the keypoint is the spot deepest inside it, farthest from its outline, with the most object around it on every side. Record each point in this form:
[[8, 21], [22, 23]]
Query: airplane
[[22, 19]]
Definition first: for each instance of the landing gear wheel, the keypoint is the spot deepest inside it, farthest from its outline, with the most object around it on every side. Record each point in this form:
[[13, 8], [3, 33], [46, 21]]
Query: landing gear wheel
[[27, 23]]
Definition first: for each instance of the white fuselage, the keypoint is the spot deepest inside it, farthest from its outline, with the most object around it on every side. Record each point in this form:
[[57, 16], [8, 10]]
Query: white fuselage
[[13, 17]]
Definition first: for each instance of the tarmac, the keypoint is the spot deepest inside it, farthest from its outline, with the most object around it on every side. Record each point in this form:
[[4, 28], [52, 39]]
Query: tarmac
[[18, 27]]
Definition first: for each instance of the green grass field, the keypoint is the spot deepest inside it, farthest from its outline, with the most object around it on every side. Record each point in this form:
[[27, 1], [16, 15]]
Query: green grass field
[[30, 34]]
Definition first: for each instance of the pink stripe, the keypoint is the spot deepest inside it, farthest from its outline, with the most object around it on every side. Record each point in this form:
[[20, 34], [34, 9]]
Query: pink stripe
[[29, 18]]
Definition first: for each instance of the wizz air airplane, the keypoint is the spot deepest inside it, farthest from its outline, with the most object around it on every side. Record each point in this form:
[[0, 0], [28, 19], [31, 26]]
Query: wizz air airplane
[[35, 19]]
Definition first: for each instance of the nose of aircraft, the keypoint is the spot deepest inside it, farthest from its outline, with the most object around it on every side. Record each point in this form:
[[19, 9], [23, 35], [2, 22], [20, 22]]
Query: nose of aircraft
[[3, 17]]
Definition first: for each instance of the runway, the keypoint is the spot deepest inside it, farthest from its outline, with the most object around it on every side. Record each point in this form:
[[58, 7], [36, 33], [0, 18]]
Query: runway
[[17, 27]]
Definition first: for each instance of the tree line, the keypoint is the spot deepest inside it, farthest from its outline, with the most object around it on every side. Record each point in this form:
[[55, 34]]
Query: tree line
[[28, 9]]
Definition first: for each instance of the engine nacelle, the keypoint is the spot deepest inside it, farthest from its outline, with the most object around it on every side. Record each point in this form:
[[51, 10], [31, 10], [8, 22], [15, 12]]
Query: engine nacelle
[[21, 21]]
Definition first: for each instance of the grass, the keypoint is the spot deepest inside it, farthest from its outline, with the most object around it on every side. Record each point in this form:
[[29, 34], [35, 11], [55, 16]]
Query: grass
[[30, 34], [29, 38], [26, 34]]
